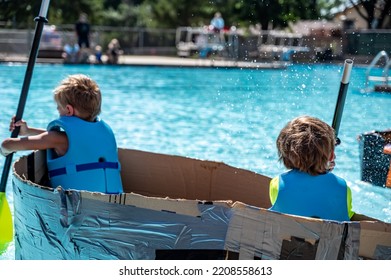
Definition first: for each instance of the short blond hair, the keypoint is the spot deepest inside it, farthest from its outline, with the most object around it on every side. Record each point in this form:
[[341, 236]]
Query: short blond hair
[[306, 143], [82, 93]]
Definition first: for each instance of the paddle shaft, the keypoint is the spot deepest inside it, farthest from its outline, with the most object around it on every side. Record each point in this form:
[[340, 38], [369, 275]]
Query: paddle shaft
[[41, 20], [342, 96]]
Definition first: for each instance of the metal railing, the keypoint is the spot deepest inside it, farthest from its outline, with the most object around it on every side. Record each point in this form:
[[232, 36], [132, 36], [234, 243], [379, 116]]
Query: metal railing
[[132, 40], [385, 74]]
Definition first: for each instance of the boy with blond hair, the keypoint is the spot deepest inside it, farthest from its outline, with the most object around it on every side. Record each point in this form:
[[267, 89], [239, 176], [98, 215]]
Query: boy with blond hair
[[81, 148]]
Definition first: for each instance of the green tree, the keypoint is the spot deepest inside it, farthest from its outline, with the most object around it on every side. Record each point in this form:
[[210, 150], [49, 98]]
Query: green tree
[[264, 12], [174, 13], [278, 13], [20, 14], [376, 12], [327, 7], [67, 12]]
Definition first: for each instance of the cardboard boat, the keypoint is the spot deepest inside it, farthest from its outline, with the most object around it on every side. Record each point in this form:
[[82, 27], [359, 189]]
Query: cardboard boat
[[176, 208]]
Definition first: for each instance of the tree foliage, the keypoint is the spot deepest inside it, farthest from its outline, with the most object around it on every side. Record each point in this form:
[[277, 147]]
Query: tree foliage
[[375, 13], [174, 13], [20, 13]]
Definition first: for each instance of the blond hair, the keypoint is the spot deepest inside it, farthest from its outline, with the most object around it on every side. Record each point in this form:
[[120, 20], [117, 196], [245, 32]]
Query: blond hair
[[306, 143], [82, 93]]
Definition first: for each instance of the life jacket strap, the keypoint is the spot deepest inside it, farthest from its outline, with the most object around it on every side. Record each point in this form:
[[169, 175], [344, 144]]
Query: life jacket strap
[[85, 167]]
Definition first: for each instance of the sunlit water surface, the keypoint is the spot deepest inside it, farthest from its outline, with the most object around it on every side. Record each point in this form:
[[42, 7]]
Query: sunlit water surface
[[229, 115]]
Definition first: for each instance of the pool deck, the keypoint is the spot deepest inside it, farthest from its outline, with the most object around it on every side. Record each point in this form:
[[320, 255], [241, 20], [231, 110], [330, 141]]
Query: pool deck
[[196, 62], [163, 61]]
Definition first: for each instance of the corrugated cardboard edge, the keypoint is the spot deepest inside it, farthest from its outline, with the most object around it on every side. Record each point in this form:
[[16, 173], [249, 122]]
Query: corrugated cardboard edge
[[178, 206]]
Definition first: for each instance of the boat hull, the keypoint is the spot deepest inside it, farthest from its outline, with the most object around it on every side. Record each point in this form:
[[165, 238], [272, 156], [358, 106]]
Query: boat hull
[[176, 208]]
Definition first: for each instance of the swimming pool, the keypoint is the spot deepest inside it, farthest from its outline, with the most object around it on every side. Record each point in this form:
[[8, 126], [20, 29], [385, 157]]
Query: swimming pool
[[228, 115]]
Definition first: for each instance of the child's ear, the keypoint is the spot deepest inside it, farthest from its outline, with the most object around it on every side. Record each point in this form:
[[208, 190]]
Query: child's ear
[[331, 162], [332, 156], [70, 111]]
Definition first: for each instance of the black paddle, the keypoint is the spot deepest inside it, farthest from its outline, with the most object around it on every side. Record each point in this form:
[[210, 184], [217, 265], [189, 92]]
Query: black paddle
[[341, 97], [6, 224]]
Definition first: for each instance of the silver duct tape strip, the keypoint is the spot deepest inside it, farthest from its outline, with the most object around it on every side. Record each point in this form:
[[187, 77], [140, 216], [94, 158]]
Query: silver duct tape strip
[[268, 233], [66, 225]]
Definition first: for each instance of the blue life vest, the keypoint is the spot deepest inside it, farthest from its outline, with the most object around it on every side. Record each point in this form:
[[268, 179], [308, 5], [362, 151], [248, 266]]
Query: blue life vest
[[91, 161], [322, 196]]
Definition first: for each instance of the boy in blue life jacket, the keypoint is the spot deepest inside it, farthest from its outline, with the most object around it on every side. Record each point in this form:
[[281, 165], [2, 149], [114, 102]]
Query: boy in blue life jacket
[[306, 147], [74, 161]]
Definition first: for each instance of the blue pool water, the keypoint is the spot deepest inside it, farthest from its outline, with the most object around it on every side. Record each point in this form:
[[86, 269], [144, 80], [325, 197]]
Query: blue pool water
[[228, 115]]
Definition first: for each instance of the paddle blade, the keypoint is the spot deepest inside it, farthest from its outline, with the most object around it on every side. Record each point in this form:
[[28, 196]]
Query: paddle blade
[[6, 227]]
